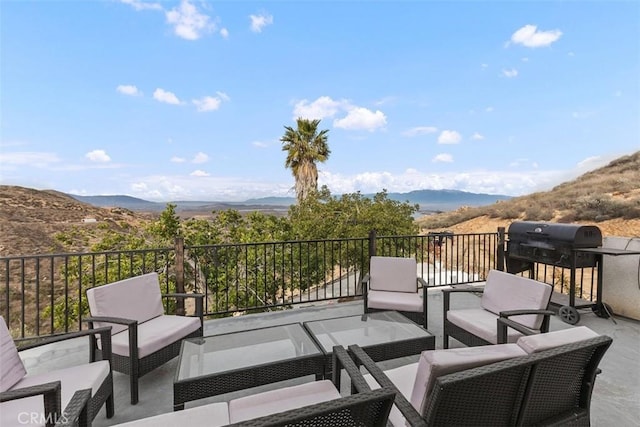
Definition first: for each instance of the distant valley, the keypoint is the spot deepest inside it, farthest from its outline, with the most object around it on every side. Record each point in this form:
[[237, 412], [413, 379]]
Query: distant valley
[[430, 201]]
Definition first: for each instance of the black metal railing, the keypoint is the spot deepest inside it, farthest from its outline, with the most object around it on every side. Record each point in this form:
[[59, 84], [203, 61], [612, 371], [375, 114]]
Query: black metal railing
[[44, 294]]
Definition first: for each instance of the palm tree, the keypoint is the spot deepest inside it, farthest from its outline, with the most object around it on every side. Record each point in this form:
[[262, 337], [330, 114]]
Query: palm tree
[[305, 146]]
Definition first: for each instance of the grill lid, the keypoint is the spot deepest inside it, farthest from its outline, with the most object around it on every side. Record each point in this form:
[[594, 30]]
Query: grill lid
[[550, 235]]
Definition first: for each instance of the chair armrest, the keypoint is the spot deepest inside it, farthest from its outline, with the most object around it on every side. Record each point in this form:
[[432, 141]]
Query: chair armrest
[[504, 322], [366, 278], [106, 319], [198, 297], [446, 296], [406, 408], [106, 330], [341, 360], [51, 392], [422, 282], [76, 412]]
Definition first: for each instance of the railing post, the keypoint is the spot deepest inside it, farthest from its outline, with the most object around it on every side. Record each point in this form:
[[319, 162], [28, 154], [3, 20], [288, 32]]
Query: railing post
[[179, 246], [500, 253], [372, 243]]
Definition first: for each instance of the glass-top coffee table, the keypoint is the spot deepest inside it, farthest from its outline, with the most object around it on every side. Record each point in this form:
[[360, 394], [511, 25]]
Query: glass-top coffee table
[[383, 335], [224, 363]]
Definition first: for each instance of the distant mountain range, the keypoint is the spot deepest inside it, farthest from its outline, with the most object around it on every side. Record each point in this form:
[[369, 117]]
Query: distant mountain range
[[429, 201]]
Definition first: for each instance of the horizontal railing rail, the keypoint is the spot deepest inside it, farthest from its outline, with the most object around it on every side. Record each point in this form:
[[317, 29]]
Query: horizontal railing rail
[[44, 295]]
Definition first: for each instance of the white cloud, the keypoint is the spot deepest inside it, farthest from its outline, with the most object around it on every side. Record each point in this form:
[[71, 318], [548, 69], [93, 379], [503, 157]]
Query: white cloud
[[529, 36], [200, 158], [129, 90], [176, 159], [27, 158], [510, 73], [207, 103], [141, 5], [223, 96], [165, 96], [259, 144], [488, 109], [224, 33], [477, 136], [419, 130], [443, 158], [100, 156], [449, 137], [360, 118], [199, 173], [484, 66], [321, 108], [188, 22], [258, 22]]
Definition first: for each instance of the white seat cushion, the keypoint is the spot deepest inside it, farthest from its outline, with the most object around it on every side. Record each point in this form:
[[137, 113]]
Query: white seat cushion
[[155, 334], [541, 342], [116, 300], [401, 301], [403, 378], [11, 367], [481, 323], [211, 415], [280, 400], [395, 274], [90, 375], [505, 291]]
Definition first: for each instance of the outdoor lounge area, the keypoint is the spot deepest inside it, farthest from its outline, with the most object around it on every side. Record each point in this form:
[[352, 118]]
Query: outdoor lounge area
[[615, 397]]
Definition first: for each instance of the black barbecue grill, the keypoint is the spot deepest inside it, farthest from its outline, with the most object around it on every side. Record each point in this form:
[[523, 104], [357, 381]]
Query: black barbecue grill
[[568, 246]]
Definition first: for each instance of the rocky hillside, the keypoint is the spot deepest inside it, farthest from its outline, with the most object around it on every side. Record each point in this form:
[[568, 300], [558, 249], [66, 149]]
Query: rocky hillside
[[608, 197], [30, 220]]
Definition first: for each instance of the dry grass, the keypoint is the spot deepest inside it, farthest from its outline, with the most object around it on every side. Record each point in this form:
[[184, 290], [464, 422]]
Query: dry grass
[[604, 196]]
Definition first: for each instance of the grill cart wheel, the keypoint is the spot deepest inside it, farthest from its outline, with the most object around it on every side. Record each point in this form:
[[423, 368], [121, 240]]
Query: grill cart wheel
[[605, 311], [569, 314]]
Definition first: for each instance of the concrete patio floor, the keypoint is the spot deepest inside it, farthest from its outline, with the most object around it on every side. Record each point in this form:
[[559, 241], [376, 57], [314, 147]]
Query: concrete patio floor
[[615, 402]]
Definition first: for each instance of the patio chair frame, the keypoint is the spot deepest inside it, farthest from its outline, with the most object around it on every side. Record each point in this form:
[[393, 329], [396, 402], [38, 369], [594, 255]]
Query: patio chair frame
[[133, 365], [95, 402]]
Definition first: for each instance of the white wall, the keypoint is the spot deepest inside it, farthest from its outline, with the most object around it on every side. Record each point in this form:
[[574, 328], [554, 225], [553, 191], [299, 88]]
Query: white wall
[[621, 278]]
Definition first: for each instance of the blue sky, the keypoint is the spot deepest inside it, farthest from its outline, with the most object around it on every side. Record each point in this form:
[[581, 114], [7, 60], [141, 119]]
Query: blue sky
[[187, 100]]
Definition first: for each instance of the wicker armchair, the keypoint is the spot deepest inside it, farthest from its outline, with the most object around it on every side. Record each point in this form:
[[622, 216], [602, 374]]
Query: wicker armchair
[[60, 388], [547, 385], [392, 284], [521, 300], [143, 337]]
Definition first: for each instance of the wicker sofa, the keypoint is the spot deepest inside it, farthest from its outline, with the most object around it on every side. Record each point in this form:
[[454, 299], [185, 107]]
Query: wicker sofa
[[143, 336], [316, 403], [544, 379]]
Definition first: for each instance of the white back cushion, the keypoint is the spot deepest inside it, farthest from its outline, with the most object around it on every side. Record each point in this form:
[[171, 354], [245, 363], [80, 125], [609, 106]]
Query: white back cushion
[[137, 298], [11, 367], [435, 363], [540, 342], [505, 291], [393, 274]]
